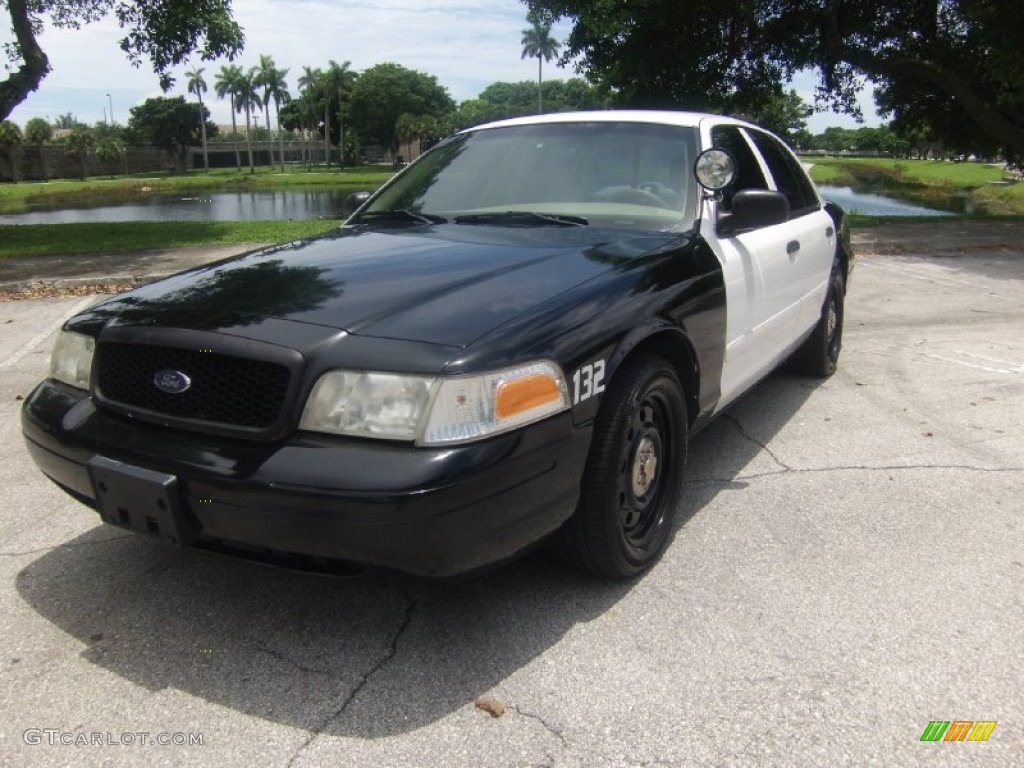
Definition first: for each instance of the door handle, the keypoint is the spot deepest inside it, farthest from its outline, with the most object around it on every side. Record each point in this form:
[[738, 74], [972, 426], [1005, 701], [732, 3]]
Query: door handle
[[829, 232], [793, 247]]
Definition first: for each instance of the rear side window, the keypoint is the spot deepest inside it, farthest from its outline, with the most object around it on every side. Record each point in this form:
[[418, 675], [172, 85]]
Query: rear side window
[[790, 178], [748, 170]]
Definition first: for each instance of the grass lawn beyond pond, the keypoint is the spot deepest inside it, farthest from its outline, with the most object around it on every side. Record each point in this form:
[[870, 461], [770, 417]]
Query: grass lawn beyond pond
[[82, 239], [976, 188]]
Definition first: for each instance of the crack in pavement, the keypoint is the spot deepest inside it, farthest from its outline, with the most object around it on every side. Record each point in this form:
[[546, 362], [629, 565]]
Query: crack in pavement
[[853, 468], [747, 436], [66, 544], [386, 659], [282, 657], [547, 726]]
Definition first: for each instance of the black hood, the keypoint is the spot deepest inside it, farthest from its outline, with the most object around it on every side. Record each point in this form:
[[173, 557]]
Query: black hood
[[445, 284]]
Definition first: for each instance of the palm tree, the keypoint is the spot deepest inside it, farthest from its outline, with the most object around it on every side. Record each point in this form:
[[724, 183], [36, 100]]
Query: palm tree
[[37, 132], [309, 84], [197, 85], [248, 100], [406, 129], [537, 41], [10, 139], [275, 89], [226, 84], [308, 111], [336, 80]]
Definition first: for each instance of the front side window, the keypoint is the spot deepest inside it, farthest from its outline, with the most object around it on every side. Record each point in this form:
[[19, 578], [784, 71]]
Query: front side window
[[609, 174], [748, 170], [790, 179]]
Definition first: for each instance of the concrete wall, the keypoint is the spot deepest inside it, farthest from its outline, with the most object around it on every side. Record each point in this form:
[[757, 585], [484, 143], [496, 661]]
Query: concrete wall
[[34, 163]]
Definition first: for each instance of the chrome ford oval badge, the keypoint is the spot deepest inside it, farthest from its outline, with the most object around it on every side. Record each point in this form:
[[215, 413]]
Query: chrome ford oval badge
[[172, 382]]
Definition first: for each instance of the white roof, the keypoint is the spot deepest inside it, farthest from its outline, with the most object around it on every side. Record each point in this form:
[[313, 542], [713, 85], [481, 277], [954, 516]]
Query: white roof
[[681, 119]]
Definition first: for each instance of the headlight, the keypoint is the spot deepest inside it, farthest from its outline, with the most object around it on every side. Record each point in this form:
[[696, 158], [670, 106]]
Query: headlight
[[71, 359], [434, 411], [386, 405]]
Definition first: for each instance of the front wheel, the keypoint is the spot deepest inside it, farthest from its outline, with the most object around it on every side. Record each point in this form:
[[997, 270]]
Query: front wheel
[[634, 474]]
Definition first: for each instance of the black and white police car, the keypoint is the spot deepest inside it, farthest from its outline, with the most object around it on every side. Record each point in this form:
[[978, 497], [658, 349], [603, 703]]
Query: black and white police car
[[509, 343]]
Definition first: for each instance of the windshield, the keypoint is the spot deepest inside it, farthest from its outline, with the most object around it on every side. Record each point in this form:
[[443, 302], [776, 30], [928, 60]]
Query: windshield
[[628, 175]]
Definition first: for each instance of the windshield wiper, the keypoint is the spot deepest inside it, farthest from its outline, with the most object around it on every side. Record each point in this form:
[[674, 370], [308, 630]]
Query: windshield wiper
[[403, 214], [523, 219]]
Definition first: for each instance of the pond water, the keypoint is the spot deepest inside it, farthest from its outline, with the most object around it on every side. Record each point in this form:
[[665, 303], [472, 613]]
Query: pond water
[[874, 205], [326, 203], [206, 206]]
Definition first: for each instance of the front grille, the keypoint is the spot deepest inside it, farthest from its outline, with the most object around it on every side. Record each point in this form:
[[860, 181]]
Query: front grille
[[225, 389]]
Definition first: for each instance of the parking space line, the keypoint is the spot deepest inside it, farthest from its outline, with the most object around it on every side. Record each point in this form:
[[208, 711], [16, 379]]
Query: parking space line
[[43, 335]]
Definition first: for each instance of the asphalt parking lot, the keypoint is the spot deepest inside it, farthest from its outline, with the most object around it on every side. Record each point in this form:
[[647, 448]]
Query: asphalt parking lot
[[848, 569]]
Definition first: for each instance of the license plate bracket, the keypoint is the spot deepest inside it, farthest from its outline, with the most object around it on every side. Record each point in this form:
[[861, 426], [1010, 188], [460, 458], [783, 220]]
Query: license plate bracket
[[141, 500]]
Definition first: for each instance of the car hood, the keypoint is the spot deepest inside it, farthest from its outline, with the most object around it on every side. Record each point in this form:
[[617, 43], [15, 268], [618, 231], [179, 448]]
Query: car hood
[[444, 284]]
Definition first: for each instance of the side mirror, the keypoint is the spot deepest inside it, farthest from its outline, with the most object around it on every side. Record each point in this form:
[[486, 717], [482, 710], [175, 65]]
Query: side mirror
[[753, 209], [354, 200]]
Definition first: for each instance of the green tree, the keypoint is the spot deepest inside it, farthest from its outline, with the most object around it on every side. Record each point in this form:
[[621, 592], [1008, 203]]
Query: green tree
[[247, 100], [503, 99], [226, 85], [103, 130], [473, 112], [38, 131], [109, 152], [310, 86], [784, 113], [170, 123], [78, 146], [67, 120], [10, 139], [538, 43], [165, 32], [337, 79], [197, 85], [386, 91], [275, 89], [964, 54], [406, 130]]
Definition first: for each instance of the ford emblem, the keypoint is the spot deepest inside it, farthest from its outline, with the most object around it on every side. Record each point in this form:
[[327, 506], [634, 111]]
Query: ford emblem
[[172, 382]]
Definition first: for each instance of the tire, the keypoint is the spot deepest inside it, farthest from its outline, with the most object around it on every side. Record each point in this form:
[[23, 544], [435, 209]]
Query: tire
[[634, 474], [819, 354]]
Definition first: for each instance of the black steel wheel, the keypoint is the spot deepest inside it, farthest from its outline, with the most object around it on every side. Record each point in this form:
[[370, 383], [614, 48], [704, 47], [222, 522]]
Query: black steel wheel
[[634, 474], [819, 354]]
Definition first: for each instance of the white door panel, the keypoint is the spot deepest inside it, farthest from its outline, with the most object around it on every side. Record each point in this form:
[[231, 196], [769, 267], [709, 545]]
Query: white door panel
[[774, 294]]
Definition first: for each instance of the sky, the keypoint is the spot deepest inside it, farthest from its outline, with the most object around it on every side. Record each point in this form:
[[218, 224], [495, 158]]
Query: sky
[[466, 44]]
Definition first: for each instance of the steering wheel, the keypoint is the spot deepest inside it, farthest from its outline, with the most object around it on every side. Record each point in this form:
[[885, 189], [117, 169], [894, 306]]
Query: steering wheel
[[631, 195], [657, 188]]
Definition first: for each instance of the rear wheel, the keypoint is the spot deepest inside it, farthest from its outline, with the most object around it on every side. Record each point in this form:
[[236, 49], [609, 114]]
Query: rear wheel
[[634, 474], [819, 355]]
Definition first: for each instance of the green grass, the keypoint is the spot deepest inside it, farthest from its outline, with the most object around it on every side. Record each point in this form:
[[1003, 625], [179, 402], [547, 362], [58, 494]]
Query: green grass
[[963, 175], [81, 239], [20, 197], [829, 173]]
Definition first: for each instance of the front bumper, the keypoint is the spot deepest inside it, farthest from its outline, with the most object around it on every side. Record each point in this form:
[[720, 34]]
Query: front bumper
[[430, 512]]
